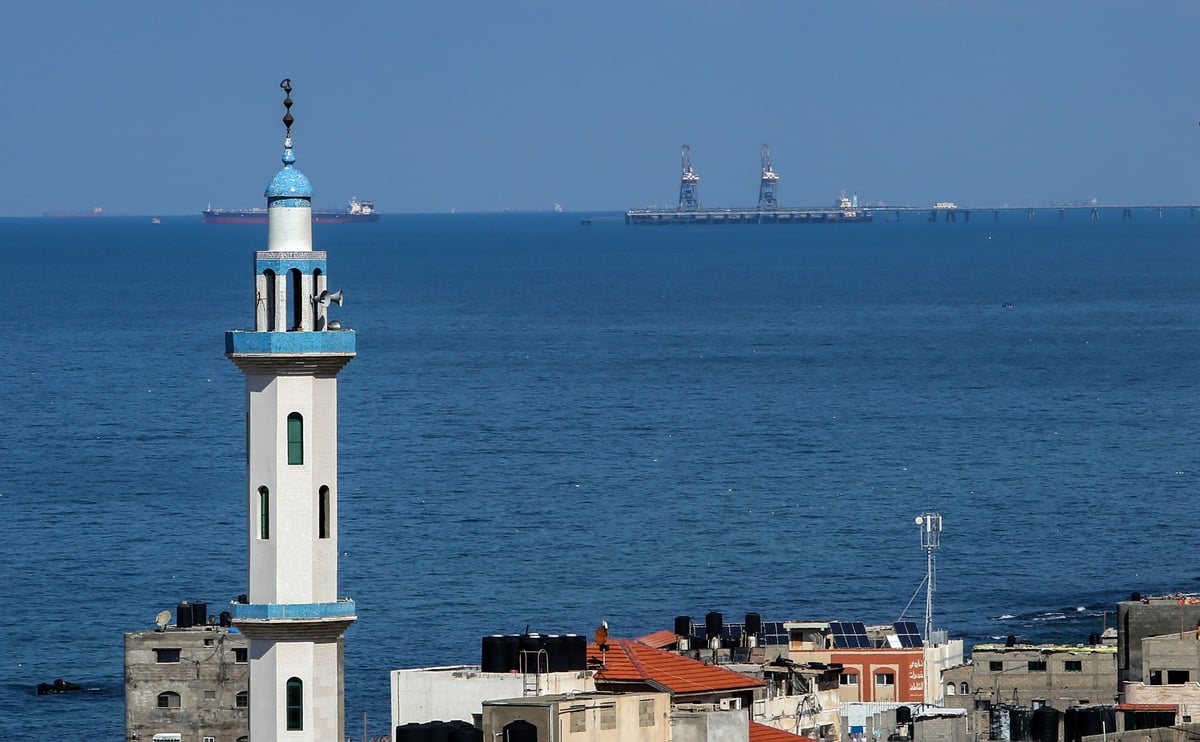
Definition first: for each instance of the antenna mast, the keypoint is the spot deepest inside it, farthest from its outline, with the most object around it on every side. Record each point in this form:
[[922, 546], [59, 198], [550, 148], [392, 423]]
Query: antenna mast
[[770, 180], [688, 201], [931, 538]]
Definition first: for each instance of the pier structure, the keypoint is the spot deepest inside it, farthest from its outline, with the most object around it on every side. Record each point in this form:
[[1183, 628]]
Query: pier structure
[[768, 185], [946, 211], [688, 183]]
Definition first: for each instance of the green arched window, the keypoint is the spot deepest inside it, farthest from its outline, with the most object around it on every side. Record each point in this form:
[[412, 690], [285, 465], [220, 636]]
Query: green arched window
[[264, 513], [295, 705], [295, 434]]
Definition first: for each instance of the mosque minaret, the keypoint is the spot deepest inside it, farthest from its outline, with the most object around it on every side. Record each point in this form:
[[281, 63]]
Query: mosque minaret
[[292, 615]]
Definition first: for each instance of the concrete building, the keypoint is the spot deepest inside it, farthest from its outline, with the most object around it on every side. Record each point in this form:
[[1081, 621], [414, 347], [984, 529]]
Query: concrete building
[[1158, 648], [293, 615], [187, 681], [581, 717], [1030, 676], [888, 664], [458, 692]]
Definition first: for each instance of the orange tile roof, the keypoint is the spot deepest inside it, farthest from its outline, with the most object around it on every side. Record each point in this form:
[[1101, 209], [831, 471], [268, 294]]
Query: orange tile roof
[[628, 661], [659, 639], [764, 733]]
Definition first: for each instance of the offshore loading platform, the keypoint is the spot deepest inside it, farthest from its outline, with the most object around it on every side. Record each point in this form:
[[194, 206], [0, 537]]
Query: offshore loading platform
[[768, 211], [847, 210]]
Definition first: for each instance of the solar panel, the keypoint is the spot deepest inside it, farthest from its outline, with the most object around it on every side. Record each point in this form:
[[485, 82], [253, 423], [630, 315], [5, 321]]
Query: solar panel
[[774, 634], [849, 635], [908, 634]]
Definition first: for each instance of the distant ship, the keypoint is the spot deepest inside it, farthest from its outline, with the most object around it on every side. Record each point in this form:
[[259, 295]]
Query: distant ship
[[355, 211], [72, 214]]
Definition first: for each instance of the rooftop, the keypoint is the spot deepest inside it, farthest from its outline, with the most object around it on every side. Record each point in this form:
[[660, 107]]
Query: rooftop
[[628, 661]]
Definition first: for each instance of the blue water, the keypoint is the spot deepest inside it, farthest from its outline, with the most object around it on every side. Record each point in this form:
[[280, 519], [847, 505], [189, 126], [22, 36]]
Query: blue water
[[549, 425]]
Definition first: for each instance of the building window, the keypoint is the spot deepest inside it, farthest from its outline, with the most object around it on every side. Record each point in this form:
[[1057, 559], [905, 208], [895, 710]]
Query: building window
[[168, 699], [242, 699], [849, 678], [1037, 665], [646, 712], [264, 513], [608, 716], [1073, 666], [210, 695], [1178, 677], [579, 719], [995, 666], [295, 705], [966, 689], [885, 678], [295, 438], [240, 655], [162, 656], [951, 688], [210, 739], [323, 513]]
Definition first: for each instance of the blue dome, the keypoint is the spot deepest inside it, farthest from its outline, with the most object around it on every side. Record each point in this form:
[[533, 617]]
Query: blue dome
[[289, 182]]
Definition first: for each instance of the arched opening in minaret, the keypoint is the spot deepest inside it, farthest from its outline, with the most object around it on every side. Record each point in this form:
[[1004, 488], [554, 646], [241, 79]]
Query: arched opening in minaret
[[264, 513], [323, 512], [295, 705], [269, 300], [296, 298], [295, 438]]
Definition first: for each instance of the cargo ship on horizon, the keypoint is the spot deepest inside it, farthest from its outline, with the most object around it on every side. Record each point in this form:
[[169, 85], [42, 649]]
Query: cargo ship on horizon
[[355, 211], [73, 214]]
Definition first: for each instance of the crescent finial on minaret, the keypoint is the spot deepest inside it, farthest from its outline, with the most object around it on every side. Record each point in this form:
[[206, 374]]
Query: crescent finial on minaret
[[286, 84]]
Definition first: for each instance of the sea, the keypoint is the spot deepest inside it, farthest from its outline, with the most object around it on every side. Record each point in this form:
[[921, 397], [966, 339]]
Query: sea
[[551, 424]]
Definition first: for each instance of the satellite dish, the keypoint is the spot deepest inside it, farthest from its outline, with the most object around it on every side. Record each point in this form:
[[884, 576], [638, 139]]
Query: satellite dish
[[918, 520], [162, 619]]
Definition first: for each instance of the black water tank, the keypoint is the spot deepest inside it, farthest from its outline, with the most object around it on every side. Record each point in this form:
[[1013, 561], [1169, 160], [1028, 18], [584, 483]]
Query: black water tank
[[520, 731], [461, 731], [903, 714], [1011, 641], [1020, 724], [199, 614], [183, 615], [753, 623], [576, 652], [683, 626], [439, 731], [998, 722], [531, 659], [226, 619], [411, 732], [1093, 638], [1136, 597], [1088, 721], [1045, 724], [713, 625], [556, 651], [512, 652], [495, 654]]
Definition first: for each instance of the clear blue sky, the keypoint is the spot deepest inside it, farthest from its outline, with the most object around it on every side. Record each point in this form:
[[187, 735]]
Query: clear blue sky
[[164, 107]]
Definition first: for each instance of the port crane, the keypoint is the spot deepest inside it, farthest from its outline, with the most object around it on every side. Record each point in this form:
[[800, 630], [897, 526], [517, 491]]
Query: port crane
[[688, 201], [770, 180]]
